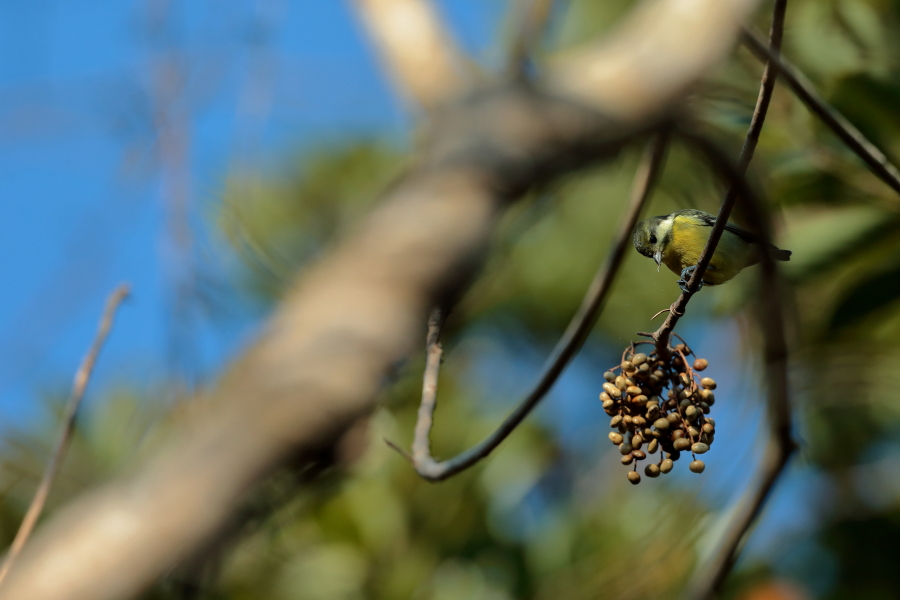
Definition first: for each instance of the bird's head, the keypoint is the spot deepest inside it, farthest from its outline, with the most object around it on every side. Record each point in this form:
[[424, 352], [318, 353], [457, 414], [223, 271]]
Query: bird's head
[[648, 238]]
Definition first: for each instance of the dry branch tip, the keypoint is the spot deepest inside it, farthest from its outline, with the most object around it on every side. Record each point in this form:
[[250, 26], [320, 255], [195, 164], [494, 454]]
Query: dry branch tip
[[79, 386]]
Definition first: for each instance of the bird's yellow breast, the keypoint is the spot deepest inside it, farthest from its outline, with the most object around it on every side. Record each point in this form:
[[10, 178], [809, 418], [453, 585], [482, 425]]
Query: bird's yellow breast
[[687, 240]]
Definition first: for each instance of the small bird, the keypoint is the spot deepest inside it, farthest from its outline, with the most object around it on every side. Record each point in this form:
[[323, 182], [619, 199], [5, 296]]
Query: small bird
[[678, 239]]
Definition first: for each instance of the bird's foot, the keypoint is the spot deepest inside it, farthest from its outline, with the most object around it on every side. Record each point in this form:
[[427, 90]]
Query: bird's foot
[[686, 277]]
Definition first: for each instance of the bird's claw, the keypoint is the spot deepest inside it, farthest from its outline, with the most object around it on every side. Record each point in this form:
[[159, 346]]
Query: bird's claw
[[686, 277]]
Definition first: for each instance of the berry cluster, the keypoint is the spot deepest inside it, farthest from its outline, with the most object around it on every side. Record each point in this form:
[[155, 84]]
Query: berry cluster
[[659, 403]]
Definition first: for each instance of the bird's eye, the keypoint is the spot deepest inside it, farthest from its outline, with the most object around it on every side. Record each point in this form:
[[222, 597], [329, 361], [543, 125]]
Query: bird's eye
[[652, 239]]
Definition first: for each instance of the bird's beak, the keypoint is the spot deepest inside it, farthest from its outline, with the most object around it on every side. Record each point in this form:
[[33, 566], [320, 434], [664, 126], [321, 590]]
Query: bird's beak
[[657, 256]]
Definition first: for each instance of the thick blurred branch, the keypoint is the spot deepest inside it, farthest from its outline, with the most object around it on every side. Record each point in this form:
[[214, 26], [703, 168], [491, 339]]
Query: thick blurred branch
[[82, 377], [529, 19], [568, 346], [420, 55], [337, 335], [647, 59], [844, 129]]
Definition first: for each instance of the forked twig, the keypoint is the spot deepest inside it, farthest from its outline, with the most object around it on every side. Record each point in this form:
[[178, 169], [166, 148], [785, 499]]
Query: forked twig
[[844, 129], [82, 377], [766, 87], [566, 349]]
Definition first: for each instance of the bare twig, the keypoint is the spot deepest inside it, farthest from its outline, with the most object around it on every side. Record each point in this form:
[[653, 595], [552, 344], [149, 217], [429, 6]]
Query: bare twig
[[82, 377], [529, 18], [421, 451], [566, 349], [844, 129], [766, 87], [415, 48]]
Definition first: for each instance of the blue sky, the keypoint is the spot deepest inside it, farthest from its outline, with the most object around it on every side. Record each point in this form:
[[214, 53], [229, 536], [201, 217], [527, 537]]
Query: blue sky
[[83, 191]]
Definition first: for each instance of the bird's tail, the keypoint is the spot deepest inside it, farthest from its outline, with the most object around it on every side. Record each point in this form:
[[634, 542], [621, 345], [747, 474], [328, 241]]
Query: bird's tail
[[779, 254]]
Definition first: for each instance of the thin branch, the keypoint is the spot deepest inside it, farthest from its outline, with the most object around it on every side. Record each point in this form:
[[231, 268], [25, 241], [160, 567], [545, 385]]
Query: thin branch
[[766, 88], [566, 349], [421, 450], [781, 445], [850, 135], [82, 377], [422, 57], [779, 449], [713, 574], [529, 19]]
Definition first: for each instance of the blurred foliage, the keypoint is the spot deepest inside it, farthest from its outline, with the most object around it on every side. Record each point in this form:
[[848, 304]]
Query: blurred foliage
[[279, 224], [544, 518]]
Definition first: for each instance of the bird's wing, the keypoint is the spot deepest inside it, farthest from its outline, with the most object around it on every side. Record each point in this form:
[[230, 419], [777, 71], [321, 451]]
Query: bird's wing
[[709, 220]]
